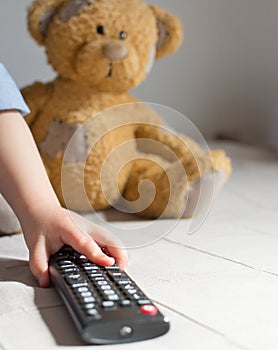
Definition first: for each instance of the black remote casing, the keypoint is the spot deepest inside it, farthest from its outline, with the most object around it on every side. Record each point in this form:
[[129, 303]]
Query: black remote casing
[[100, 320]]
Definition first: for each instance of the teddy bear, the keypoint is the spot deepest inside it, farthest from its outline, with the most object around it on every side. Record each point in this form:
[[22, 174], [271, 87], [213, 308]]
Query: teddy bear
[[98, 143]]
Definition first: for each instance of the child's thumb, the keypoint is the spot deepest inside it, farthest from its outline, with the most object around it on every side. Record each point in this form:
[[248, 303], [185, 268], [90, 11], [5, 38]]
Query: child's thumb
[[39, 265]]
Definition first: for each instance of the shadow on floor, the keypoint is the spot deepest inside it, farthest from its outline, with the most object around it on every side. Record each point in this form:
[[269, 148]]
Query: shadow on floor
[[47, 301]]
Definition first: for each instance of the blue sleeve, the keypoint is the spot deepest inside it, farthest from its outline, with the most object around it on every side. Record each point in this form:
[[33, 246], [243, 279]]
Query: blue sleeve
[[10, 96]]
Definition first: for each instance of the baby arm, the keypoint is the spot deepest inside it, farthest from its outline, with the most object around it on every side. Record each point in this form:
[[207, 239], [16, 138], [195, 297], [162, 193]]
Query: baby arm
[[45, 224]]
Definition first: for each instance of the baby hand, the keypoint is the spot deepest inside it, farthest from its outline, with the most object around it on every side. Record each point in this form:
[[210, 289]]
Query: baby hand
[[47, 232]]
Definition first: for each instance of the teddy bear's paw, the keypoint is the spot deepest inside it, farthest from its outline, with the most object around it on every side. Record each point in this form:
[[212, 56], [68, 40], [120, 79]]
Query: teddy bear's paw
[[202, 192], [9, 223]]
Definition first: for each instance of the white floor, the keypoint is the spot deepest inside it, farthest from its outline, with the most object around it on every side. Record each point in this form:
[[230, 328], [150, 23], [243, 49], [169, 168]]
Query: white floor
[[219, 286]]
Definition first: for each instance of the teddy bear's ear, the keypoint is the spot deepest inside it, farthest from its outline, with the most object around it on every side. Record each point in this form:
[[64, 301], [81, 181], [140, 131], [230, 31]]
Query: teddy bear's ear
[[40, 14], [170, 32]]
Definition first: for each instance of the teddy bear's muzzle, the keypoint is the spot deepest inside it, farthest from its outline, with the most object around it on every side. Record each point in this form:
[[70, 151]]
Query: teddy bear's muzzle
[[115, 51]]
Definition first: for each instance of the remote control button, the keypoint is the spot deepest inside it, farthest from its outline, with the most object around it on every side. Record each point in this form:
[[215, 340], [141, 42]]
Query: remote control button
[[89, 306], [86, 294], [90, 268], [102, 283], [131, 291], [70, 269], [105, 287], [112, 268], [123, 282], [143, 302], [65, 266], [136, 296], [128, 286], [149, 309], [108, 304], [113, 297], [126, 331], [115, 275], [99, 279], [89, 300], [109, 292], [125, 303], [75, 276], [83, 257], [65, 263], [93, 275], [73, 279], [93, 313], [78, 284], [87, 263], [83, 289]]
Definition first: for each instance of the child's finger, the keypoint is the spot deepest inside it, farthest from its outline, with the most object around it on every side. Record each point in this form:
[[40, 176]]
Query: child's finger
[[112, 244], [39, 264], [104, 238], [84, 244], [119, 254]]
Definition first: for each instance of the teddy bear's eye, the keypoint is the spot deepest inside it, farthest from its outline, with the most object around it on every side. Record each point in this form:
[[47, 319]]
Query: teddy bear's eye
[[123, 35], [100, 30]]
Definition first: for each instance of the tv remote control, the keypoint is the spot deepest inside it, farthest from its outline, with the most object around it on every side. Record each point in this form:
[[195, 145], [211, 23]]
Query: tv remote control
[[105, 304]]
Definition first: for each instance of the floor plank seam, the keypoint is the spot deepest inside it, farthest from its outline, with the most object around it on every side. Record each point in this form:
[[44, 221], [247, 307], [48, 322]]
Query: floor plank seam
[[214, 255], [222, 257], [203, 325], [252, 202], [270, 273]]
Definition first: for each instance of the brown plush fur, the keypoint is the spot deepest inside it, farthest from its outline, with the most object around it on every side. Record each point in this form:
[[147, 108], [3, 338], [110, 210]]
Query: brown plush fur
[[101, 49]]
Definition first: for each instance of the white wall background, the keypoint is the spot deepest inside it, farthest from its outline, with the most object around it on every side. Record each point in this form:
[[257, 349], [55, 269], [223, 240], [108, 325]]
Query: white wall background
[[224, 78]]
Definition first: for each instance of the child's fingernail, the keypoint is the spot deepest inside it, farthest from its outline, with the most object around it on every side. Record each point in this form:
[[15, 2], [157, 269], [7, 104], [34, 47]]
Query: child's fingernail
[[112, 260]]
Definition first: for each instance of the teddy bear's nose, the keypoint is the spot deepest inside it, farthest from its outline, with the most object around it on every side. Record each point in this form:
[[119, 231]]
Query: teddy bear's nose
[[115, 51]]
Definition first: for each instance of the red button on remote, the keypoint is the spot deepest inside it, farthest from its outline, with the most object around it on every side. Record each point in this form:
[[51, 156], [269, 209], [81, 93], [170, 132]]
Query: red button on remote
[[150, 310]]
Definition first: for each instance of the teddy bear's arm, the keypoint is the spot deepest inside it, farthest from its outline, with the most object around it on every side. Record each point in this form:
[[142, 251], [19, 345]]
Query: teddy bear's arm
[[184, 148], [180, 145], [36, 96], [192, 174]]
